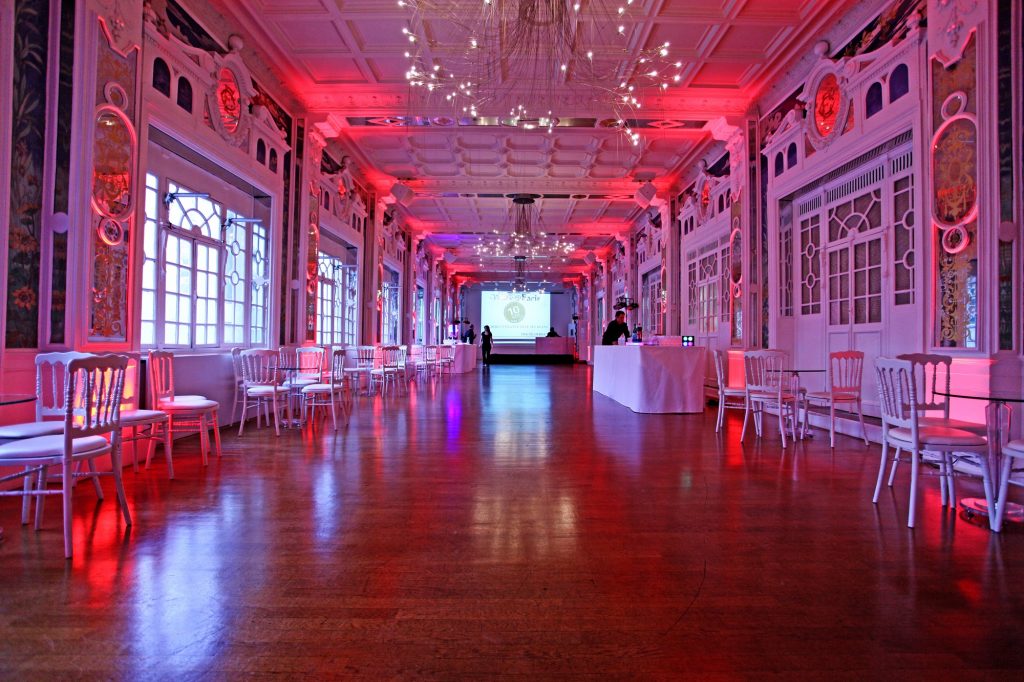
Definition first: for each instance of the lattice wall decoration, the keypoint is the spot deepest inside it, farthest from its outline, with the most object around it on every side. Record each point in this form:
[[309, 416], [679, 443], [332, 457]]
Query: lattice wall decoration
[[786, 259], [691, 280], [861, 214], [954, 198], [724, 284], [904, 270], [810, 265]]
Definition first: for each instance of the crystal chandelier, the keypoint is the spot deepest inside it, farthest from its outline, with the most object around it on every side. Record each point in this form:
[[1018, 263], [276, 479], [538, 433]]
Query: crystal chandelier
[[525, 236], [513, 59]]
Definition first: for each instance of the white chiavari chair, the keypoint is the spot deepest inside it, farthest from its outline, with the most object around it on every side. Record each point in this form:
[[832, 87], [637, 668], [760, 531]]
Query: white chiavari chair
[[92, 428]]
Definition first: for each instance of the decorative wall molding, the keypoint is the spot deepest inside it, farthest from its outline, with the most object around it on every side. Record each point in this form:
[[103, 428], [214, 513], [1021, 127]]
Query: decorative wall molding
[[950, 23]]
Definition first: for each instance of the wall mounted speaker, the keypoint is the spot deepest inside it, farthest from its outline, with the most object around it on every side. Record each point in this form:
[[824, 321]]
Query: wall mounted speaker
[[402, 193], [645, 194]]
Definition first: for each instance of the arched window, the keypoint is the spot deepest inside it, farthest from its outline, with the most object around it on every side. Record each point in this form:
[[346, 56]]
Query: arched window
[[873, 101], [273, 160], [185, 94], [261, 152], [899, 82], [779, 167], [791, 155], [161, 77], [721, 203]]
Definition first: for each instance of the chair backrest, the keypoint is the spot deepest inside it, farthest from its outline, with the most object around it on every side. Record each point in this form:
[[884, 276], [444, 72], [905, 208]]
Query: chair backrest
[[720, 359], [260, 367], [51, 383], [931, 372], [430, 355], [391, 357], [446, 353], [161, 377], [336, 368], [236, 364], [365, 355], [846, 371], [310, 361], [764, 370], [98, 381], [897, 394]]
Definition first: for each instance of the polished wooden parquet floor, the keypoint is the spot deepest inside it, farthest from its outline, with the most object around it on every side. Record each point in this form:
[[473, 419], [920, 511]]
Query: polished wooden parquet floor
[[511, 522]]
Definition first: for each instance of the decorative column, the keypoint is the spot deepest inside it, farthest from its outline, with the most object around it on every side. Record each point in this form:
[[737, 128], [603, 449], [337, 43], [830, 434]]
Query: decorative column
[[315, 144]]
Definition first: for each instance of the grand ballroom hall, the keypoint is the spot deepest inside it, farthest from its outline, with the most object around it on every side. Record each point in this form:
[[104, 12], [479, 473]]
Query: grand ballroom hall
[[464, 339]]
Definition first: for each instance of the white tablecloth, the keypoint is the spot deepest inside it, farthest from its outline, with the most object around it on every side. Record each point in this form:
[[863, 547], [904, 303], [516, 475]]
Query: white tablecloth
[[465, 358], [554, 345], [652, 379]]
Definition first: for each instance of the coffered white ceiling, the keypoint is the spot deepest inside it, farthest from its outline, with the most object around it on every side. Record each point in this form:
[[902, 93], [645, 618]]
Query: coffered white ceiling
[[343, 59]]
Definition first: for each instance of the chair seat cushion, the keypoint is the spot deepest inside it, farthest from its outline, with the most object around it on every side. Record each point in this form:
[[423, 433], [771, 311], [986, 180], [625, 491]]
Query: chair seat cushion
[[31, 429], [938, 435], [321, 388], [838, 396], [1015, 448], [52, 446], [179, 405], [130, 417], [973, 427], [266, 390], [732, 391], [772, 395]]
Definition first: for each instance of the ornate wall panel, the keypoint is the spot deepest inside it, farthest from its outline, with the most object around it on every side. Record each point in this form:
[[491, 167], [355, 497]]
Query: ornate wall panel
[[114, 187], [955, 198], [28, 138]]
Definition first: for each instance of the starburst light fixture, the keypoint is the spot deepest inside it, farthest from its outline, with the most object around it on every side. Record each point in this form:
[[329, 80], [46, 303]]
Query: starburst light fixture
[[525, 236], [518, 59]]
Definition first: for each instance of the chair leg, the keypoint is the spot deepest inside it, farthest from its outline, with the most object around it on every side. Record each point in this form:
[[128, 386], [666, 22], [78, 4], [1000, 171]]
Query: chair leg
[[895, 465], [881, 470], [944, 479], [135, 449], [216, 433], [998, 509], [241, 419], [122, 499], [277, 415], [952, 482], [832, 424], [40, 499], [721, 413], [204, 439], [782, 427], [66, 497], [863, 428], [914, 465], [334, 410], [746, 416], [95, 476], [26, 499], [168, 445]]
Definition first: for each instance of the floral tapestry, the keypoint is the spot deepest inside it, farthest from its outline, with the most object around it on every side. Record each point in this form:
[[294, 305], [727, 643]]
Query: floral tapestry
[[28, 137]]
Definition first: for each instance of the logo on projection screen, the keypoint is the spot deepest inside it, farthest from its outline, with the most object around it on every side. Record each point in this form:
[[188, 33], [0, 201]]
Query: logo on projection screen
[[515, 312]]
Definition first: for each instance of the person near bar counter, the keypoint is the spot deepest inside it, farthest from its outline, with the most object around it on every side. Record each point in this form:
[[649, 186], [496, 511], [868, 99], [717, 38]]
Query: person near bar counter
[[616, 328]]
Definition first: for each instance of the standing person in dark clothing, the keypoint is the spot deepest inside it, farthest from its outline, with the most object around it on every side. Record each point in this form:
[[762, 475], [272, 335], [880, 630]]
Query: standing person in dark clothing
[[471, 335], [486, 340], [616, 328]]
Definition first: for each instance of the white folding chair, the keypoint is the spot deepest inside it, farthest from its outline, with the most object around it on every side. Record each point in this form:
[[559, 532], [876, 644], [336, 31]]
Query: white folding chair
[[239, 392], [902, 430], [845, 376], [51, 380], [390, 368], [186, 414], [146, 426], [364, 357], [330, 393], [932, 374], [93, 395], [728, 398], [1012, 452], [263, 386], [768, 386]]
